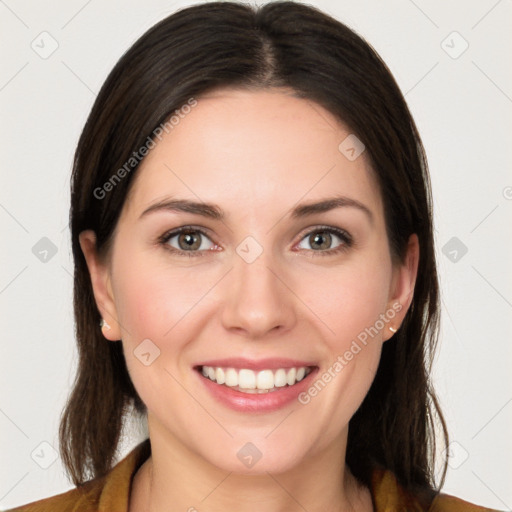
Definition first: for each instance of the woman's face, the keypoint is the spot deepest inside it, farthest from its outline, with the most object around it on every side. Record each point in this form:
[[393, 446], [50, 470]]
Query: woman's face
[[262, 282]]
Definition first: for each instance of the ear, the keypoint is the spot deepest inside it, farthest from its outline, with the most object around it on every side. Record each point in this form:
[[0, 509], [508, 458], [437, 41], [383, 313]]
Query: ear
[[402, 285], [100, 279]]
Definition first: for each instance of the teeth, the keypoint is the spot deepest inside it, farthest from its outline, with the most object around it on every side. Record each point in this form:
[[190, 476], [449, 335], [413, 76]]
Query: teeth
[[231, 377], [280, 378], [290, 376], [220, 376], [264, 380], [247, 379], [250, 381]]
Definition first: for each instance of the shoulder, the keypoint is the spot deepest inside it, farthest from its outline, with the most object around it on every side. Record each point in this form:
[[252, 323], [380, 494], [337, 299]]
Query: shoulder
[[388, 494], [84, 498], [106, 494], [445, 502]]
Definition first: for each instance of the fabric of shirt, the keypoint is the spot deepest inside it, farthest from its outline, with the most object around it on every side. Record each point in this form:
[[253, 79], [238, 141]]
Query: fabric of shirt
[[111, 493]]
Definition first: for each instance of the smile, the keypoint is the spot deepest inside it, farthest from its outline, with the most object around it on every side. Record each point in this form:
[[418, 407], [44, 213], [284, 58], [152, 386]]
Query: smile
[[250, 386], [255, 382]]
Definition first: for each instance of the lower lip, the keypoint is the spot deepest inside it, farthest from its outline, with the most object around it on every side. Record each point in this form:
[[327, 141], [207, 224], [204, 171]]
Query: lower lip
[[263, 402]]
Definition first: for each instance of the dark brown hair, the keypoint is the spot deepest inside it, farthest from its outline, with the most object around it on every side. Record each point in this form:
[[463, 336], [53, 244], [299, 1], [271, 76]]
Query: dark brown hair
[[281, 44]]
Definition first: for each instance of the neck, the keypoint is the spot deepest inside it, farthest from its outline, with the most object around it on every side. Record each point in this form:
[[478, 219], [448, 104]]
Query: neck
[[176, 477]]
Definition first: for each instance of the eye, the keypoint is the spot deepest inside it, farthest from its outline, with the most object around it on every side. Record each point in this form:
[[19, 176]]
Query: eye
[[191, 241], [326, 240], [187, 239]]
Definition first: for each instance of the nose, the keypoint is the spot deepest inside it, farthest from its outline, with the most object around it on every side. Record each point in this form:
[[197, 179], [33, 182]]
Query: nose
[[257, 299]]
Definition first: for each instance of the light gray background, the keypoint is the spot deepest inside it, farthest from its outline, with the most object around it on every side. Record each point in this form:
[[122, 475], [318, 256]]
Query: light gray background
[[462, 105]]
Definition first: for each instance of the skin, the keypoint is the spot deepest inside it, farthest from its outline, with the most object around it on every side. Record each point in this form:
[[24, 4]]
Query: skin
[[255, 154]]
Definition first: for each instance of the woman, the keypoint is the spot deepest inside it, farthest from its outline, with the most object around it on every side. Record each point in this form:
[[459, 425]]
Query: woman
[[254, 271]]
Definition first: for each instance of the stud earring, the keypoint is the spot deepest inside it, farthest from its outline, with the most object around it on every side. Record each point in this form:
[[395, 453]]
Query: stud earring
[[104, 325], [392, 329]]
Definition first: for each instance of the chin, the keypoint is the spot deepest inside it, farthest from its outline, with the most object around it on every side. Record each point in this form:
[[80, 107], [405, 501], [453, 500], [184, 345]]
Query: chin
[[258, 456]]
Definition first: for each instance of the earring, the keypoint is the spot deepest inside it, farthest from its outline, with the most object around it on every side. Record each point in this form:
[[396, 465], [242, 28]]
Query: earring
[[392, 329], [104, 325]]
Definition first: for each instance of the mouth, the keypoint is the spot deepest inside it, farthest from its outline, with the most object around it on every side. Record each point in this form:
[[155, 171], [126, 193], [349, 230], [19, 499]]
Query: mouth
[[249, 386], [249, 381]]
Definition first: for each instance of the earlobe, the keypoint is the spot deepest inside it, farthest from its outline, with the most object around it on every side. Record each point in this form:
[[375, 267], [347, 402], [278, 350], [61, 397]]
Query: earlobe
[[402, 289], [102, 289]]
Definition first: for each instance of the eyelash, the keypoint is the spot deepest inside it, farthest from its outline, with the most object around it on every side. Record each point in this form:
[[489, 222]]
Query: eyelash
[[340, 233]]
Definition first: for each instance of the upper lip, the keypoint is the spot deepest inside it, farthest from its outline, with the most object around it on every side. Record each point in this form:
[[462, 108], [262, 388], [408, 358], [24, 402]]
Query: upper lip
[[252, 364]]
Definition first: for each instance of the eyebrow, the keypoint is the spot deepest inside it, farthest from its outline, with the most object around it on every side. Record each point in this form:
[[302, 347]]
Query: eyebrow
[[213, 211]]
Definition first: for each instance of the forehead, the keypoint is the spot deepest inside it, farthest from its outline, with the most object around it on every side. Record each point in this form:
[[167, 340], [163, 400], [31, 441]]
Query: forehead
[[256, 148]]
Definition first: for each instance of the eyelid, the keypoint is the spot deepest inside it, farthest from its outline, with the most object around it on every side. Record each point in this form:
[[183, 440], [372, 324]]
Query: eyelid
[[177, 231], [324, 227]]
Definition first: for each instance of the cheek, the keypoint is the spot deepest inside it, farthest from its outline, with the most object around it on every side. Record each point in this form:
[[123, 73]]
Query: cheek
[[350, 300], [153, 296], [351, 305], [155, 302]]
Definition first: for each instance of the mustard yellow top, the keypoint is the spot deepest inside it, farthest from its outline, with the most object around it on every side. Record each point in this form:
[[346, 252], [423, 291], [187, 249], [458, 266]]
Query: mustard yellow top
[[112, 492]]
